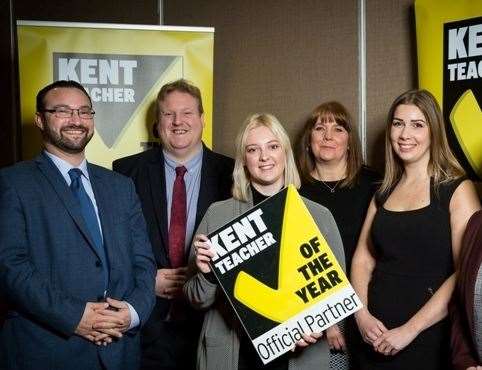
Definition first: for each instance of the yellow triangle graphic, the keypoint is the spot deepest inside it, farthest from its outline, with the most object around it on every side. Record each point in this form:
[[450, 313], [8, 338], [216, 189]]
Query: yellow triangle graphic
[[466, 119], [280, 304]]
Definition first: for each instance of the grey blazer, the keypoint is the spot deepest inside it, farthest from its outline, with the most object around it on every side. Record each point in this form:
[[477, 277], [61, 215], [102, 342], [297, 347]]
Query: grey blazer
[[218, 346]]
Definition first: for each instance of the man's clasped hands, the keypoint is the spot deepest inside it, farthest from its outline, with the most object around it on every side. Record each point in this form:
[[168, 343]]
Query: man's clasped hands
[[104, 322]]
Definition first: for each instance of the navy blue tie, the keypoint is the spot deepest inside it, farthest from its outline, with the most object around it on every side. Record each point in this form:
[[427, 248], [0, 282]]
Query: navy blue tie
[[90, 218]]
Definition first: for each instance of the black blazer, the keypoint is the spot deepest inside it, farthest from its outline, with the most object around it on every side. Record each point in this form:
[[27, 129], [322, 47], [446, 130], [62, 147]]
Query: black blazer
[[147, 171]]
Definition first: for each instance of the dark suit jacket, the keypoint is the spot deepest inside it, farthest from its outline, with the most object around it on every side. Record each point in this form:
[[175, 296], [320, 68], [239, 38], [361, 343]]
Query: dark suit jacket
[[147, 171], [49, 268], [3, 311], [464, 350]]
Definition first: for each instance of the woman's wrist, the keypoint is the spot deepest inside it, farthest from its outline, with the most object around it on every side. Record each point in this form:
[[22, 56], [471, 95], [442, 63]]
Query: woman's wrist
[[363, 312], [413, 327]]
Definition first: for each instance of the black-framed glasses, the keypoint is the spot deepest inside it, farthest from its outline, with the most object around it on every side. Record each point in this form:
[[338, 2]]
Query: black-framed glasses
[[65, 112]]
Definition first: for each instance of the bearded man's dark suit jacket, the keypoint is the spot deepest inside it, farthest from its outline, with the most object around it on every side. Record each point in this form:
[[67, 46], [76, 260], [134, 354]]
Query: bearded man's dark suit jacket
[[147, 171], [49, 268]]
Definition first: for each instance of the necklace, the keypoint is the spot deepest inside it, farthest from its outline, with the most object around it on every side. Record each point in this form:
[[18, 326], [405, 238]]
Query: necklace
[[331, 188]]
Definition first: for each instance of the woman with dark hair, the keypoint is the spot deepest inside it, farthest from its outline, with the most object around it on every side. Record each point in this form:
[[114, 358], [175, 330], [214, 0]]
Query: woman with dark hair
[[466, 305], [404, 265], [332, 174], [264, 165]]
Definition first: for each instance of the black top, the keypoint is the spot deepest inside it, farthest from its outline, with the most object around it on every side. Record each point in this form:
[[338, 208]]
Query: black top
[[403, 239], [348, 205], [257, 196]]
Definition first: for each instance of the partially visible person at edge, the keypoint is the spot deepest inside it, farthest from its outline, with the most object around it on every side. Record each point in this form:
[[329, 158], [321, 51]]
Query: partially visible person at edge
[[264, 164], [176, 183], [332, 174], [76, 265], [3, 315], [466, 304], [3, 310], [404, 265]]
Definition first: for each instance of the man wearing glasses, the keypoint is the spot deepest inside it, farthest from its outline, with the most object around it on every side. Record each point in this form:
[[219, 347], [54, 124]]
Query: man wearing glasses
[[176, 183], [76, 264]]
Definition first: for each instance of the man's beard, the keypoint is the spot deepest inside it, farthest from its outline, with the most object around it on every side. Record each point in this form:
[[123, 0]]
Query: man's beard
[[63, 142]]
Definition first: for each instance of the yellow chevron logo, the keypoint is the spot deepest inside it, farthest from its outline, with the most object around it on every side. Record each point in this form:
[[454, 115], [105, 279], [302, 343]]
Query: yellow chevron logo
[[466, 120], [308, 271]]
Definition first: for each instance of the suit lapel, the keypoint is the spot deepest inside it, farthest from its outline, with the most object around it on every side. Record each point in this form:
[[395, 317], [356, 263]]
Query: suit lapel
[[208, 186], [157, 183], [54, 177]]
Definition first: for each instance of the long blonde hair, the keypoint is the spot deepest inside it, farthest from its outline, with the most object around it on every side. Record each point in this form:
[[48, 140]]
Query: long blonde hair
[[241, 175], [443, 166]]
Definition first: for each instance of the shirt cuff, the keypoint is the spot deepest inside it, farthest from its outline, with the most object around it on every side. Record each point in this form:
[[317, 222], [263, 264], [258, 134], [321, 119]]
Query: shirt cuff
[[134, 317]]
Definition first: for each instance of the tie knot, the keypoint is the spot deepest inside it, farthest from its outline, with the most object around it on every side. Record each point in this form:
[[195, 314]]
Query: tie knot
[[75, 173], [180, 171]]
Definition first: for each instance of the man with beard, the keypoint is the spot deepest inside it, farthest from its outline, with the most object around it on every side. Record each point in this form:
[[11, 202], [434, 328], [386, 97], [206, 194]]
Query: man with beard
[[176, 183], [76, 265]]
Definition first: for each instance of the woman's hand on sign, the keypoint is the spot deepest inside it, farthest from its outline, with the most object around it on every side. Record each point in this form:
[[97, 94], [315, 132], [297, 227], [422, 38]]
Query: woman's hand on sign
[[335, 338], [306, 340], [393, 341], [370, 328], [204, 252]]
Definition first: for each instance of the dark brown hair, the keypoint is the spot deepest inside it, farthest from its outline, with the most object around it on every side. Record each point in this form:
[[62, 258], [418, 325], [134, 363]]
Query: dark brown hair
[[306, 161], [40, 103]]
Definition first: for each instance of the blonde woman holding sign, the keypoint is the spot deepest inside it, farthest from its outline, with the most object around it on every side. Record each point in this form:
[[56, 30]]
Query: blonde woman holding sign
[[264, 165], [404, 265]]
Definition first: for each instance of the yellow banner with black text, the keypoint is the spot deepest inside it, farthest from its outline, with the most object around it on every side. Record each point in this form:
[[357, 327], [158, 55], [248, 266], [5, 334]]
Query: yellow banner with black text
[[449, 48], [122, 67]]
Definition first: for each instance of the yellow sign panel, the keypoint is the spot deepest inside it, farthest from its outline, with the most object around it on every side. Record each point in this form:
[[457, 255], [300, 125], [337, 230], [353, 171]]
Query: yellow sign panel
[[122, 68], [466, 118]]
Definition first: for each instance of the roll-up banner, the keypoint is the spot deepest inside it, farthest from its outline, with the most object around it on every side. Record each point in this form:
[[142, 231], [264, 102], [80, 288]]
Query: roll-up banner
[[449, 46], [122, 67]]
